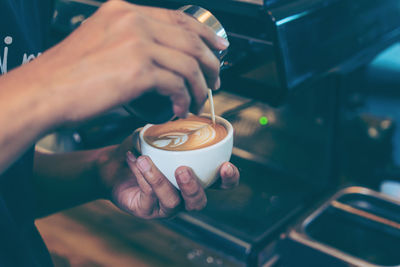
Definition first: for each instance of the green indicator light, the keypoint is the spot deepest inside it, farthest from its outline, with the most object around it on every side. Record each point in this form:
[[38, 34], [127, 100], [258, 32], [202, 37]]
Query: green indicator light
[[263, 120]]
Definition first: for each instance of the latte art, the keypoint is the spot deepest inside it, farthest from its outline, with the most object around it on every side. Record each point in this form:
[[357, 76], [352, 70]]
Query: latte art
[[185, 134]]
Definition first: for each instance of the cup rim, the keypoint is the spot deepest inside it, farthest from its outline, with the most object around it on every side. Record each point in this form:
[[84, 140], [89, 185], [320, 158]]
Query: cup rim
[[219, 119]]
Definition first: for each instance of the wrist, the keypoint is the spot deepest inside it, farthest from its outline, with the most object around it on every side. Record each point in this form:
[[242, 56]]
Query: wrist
[[106, 169]]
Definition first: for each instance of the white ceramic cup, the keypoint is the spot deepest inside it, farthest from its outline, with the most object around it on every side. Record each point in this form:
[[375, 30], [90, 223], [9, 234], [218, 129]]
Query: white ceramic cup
[[205, 162]]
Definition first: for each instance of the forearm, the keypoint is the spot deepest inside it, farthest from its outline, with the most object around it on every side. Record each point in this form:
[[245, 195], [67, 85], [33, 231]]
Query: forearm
[[66, 180], [26, 113]]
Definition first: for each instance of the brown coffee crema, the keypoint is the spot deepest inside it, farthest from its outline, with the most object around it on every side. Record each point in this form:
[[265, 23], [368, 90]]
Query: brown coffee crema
[[185, 134]]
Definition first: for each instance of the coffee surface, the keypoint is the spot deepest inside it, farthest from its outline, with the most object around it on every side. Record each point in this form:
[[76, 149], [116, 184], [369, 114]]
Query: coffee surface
[[191, 133]]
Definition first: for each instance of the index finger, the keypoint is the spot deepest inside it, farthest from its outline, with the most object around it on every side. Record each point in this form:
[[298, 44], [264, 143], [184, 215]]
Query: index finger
[[166, 193], [178, 17], [191, 189]]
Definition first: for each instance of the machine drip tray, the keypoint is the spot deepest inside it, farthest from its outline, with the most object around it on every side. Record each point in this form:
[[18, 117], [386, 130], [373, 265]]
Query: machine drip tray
[[367, 240], [357, 227]]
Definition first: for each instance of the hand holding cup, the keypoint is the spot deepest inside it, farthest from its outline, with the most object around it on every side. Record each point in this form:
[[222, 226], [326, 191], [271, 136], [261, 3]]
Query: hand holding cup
[[144, 191]]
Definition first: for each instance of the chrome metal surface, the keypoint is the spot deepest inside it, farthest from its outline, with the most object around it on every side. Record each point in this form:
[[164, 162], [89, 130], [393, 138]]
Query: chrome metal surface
[[349, 190], [367, 215], [300, 235], [206, 17]]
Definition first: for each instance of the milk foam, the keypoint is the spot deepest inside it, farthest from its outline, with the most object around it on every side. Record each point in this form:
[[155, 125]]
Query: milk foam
[[185, 134]]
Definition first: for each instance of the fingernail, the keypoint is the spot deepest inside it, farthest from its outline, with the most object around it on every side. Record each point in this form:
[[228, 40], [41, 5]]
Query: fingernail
[[229, 171], [144, 164], [218, 84], [130, 157], [184, 176], [223, 42]]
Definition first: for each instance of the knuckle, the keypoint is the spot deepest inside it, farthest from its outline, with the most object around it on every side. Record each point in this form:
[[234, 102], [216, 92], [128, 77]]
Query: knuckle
[[179, 17], [180, 95], [144, 186], [196, 206], [192, 37], [156, 181], [196, 72], [196, 44], [133, 18], [110, 5], [138, 46], [192, 67], [173, 203], [202, 204], [120, 26], [137, 19], [203, 97], [189, 207], [130, 20], [192, 190], [200, 95], [145, 71], [121, 10], [215, 64], [181, 86], [182, 101], [181, 89]]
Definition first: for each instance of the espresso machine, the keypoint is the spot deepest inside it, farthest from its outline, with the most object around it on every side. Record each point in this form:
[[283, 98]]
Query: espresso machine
[[293, 84]]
